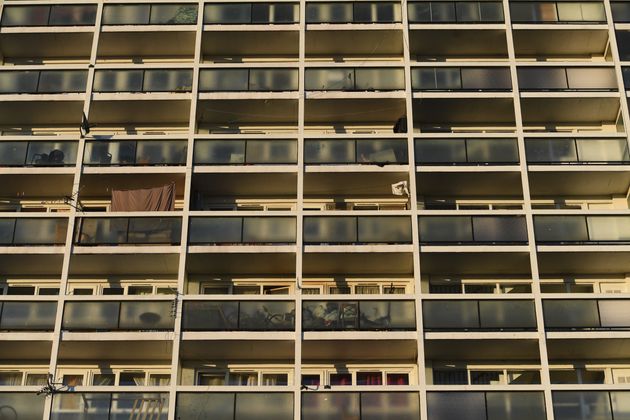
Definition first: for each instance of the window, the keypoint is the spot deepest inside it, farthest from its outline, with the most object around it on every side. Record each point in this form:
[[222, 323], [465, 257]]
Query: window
[[339, 290], [243, 378], [113, 291], [20, 290], [369, 378], [104, 379], [48, 291], [36, 379], [311, 290], [215, 290], [82, 292], [10, 378], [131, 379], [212, 379], [367, 290], [246, 290], [311, 380], [397, 379], [72, 380], [140, 290], [159, 379], [340, 379], [275, 379]]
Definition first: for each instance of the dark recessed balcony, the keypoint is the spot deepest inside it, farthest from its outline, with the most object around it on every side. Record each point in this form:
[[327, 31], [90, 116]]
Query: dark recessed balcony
[[582, 230], [142, 81], [150, 14], [239, 316], [567, 79], [56, 15], [242, 230], [367, 315], [27, 316], [586, 314], [135, 153], [557, 12], [248, 80], [453, 79], [350, 230], [353, 12], [103, 231], [118, 316], [235, 405], [604, 405], [38, 153], [479, 315], [456, 12], [354, 79], [472, 230], [362, 152], [42, 82], [466, 152], [577, 151], [33, 231], [360, 405], [487, 405], [251, 13], [108, 406], [245, 152]]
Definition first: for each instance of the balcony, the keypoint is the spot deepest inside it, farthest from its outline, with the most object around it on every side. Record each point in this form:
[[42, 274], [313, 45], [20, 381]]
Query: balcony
[[27, 316], [567, 79], [487, 151], [118, 316], [456, 12], [620, 11], [150, 14], [251, 14], [360, 405], [361, 152], [239, 316], [109, 406], [586, 314], [582, 230], [38, 153], [25, 405], [354, 79], [248, 80], [242, 230], [42, 82], [461, 79], [354, 12], [103, 231], [142, 81], [479, 315], [235, 405], [582, 405], [577, 151], [486, 405], [135, 153], [368, 315], [557, 12], [33, 231], [42, 15], [360, 230], [445, 374], [245, 152], [472, 230]]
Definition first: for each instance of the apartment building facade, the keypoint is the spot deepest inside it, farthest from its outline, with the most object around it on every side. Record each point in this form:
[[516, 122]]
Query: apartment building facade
[[314, 209]]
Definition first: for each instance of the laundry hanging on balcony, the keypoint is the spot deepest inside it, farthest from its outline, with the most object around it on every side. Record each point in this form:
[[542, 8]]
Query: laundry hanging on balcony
[[144, 199]]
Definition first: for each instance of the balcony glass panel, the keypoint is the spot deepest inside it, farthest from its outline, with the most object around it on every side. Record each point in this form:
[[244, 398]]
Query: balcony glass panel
[[492, 151], [62, 81], [226, 14], [330, 406], [330, 316], [267, 316], [603, 150], [468, 11], [40, 231], [515, 405], [329, 79], [210, 316], [592, 78], [436, 12], [220, 152], [278, 13], [73, 406], [571, 314], [25, 15], [19, 81], [273, 80], [137, 230], [235, 406], [608, 228], [551, 150], [271, 152], [375, 405], [620, 404], [456, 229], [381, 151], [581, 12], [146, 316], [560, 229], [103, 231], [531, 78], [329, 151], [51, 153], [276, 406], [218, 406], [456, 405], [215, 230], [376, 12], [13, 153], [224, 80], [173, 14], [167, 81], [105, 406], [126, 14], [387, 315], [491, 406], [436, 78], [486, 79], [447, 151], [614, 313], [450, 314], [243, 316], [375, 229], [329, 12], [23, 405], [33, 316], [269, 230], [91, 315], [331, 230], [118, 81], [514, 314], [161, 153], [582, 405], [72, 15], [353, 315], [7, 227], [126, 316], [620, 11], [499, 229], [379, 79]]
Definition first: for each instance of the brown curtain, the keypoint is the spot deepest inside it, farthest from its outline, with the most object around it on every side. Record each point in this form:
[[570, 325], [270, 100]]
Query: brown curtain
[[144, 199]]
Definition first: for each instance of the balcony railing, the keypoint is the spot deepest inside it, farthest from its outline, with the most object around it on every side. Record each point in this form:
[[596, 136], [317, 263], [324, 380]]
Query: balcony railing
[[353, 12], [357, 230], [245, 152], [625, 72], [38, 153], [150, 14], [467, 152], [144, 81], [27, 316], [582, 229], [566, 79], [456, 12], [620, 11], [23, 405], [482, 315], [557, 12], [242, 230], [487, 405], [248, 80], [577, 151], [118, 316], [128, 231], [360, 405], [369, 315], [109, 406], [56, 15], [45, 81], [135, 153], [461, 79], [364, 152], [239, 316], [251, 13], [472, 230], [33, 231], [235, 405], [350, 79], [582, 405], [586, 314]]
